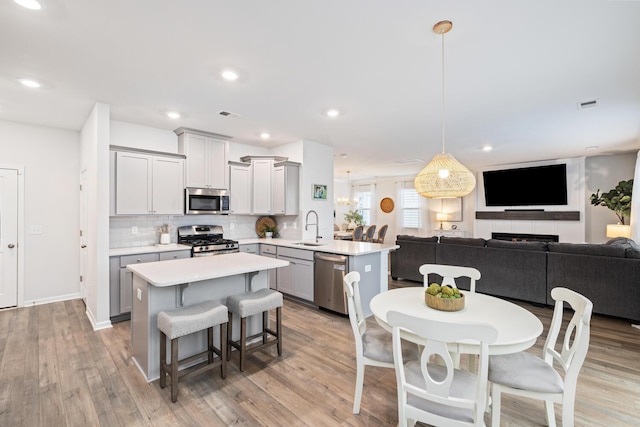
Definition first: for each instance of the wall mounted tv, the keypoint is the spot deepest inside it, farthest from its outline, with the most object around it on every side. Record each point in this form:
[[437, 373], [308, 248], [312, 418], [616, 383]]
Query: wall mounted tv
[[531, 186]]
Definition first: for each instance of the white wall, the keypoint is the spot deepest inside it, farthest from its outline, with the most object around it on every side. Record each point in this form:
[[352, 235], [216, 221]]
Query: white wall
[[94, 156], [51, 163], [144, 137], [236, 151], [603, 173], [317, 168]]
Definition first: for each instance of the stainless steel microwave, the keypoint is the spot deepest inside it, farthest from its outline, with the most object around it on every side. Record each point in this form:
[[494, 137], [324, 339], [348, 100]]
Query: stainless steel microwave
[[206, 201]]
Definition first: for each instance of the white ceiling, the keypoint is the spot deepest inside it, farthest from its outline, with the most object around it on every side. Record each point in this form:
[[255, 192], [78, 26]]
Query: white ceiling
[[515, 72]]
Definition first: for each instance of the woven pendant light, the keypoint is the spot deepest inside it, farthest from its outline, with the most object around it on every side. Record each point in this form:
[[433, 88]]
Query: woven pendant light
[[444, 176]]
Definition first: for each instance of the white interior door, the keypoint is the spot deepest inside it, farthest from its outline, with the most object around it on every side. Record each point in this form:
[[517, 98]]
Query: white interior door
[[83, 236], [8, 238]]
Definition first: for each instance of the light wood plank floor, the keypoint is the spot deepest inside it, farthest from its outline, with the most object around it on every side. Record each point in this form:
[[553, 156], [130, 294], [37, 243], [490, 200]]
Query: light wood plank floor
[[56, 371]]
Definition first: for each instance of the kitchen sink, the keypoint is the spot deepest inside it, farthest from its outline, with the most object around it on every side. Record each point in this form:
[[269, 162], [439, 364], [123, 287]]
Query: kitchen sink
[[308, 244]]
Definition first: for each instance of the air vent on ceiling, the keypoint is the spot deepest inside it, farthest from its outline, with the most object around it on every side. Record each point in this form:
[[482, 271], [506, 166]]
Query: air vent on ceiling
[[587, 104], [228, 114], [410, 161]]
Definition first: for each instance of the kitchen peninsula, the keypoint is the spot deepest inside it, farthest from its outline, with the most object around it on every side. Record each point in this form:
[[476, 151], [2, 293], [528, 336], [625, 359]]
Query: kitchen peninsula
[[306, 277], [165, 285]]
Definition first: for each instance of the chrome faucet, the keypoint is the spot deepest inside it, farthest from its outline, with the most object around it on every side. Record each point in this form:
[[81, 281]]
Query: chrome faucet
[[306, 224]]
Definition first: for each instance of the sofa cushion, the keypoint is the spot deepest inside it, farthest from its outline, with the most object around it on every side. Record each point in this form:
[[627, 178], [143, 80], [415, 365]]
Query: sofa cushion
[[632, 253], [587, 249], [632, 249], [466, 241], [406, 237], [525, 246]]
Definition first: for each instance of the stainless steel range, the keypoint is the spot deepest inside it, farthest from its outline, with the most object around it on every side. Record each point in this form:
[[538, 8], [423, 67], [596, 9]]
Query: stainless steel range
[[206, 240]]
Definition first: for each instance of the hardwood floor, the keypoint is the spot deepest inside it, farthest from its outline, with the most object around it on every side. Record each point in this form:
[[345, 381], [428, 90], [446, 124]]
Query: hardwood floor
[[56, 371]]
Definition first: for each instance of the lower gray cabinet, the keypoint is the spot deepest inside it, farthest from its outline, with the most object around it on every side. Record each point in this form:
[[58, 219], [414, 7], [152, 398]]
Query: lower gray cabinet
[[271, 251], [121, 280], [297, 278]]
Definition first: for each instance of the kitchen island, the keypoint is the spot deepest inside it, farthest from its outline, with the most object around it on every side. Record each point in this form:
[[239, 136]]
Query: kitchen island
[[169, 284]]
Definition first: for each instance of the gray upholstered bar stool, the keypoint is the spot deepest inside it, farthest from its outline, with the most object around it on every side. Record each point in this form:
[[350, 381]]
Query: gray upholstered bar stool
[[249, 304], [188, 320]]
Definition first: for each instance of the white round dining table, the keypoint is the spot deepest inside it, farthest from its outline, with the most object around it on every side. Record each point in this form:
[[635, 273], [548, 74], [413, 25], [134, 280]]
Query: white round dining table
[[518, 328]]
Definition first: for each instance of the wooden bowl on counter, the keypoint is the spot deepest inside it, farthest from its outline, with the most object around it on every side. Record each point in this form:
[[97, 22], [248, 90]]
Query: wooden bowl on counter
[[444, 304]]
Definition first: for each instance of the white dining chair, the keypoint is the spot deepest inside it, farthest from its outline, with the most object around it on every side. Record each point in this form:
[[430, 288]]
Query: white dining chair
[[437, 393], [449, 273], [373, 343], [524, 374]]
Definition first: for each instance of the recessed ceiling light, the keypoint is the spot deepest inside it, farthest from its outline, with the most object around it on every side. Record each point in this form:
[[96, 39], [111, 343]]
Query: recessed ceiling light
[[487, 148], [229, 75], [592, 147], [173, 115], [29, 83], [333, 113], [29, 4], [265, 135]]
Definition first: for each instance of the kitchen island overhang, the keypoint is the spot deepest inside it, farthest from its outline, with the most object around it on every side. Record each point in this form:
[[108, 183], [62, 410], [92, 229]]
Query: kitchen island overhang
[[166, 285]]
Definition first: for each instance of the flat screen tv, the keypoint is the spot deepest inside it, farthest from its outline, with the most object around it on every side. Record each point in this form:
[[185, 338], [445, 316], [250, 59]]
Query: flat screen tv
[[532, 186]]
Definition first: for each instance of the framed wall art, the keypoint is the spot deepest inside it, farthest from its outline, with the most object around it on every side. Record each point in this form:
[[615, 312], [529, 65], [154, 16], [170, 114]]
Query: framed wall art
[[319, 192], [453, 208]]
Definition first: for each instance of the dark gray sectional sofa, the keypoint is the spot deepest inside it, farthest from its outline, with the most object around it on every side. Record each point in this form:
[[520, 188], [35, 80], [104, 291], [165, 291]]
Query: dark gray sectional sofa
[[608, 275]]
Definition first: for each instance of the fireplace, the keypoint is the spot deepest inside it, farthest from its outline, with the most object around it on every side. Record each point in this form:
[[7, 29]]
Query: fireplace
[[521, 237]]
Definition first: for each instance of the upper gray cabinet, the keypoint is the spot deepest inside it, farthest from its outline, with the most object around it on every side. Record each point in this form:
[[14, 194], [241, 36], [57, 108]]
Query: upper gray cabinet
[[240, 185], [286, 188], [146, 182], [275, 185], [206, 163]]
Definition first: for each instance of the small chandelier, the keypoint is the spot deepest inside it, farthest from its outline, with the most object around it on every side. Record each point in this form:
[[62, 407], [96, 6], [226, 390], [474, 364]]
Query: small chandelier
[[444, 176], [345, 201]]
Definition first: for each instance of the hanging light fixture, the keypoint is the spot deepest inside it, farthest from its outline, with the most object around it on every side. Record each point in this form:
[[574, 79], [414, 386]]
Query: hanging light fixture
[[345, 201], [444, 176]]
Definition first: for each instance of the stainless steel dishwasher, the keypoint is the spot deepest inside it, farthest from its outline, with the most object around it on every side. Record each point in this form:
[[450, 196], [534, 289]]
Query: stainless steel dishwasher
[[329, 270]]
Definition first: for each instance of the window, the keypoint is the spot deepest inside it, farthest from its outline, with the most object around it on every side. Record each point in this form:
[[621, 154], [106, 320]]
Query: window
[[410, 206], [364, 196]]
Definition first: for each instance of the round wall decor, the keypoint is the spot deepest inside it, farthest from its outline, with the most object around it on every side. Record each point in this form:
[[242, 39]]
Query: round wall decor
[[386, 204], [262, 222]]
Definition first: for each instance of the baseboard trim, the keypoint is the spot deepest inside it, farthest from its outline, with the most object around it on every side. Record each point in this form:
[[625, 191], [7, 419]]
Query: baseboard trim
[[52, 299]]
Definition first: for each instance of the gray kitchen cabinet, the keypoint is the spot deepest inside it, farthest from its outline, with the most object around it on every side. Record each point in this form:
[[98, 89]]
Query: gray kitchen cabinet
[[271, 251], [297, 278], [251, 248], [262, 186], [167, 256], [240, 185], [206, 164], [148, 183], [121, 280], [274, 187], [286, 188]]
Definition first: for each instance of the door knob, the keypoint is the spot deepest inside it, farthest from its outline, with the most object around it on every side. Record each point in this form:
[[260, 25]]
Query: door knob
[[11, 245], [83, 246]]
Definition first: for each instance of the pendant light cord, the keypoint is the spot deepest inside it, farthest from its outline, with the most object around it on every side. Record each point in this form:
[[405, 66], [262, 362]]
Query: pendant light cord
[[443, 94]]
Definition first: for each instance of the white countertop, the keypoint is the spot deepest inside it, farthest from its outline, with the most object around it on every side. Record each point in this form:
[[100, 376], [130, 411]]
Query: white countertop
[[133, 250], [342, 247], [189, 270]]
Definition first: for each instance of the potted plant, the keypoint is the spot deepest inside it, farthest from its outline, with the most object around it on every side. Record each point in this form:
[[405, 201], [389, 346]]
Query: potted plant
[[353, 218], [270, 231], [618, 199]]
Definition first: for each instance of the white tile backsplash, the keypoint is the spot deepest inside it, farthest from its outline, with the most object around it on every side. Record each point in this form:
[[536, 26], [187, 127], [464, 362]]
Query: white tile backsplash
[[234, 226]]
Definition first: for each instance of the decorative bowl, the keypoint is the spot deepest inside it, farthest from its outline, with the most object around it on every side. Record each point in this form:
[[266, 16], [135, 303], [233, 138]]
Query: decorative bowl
[[444, 304]]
